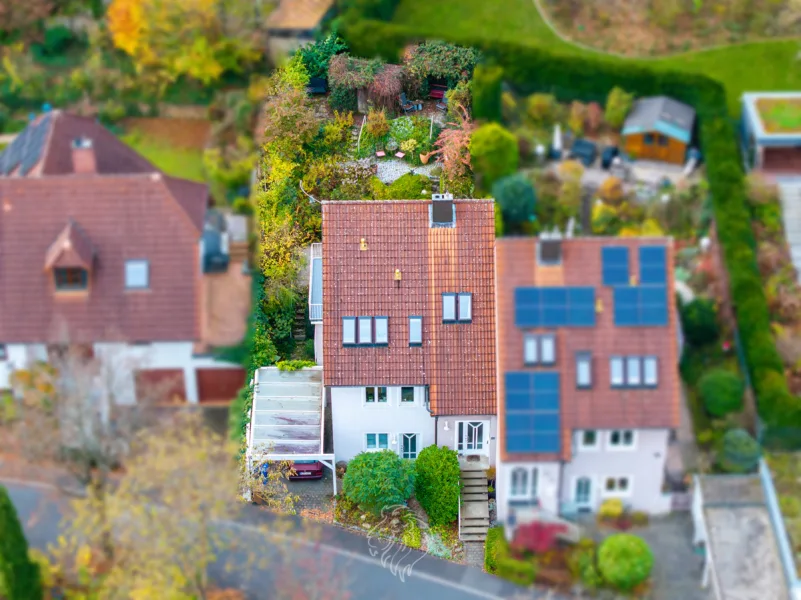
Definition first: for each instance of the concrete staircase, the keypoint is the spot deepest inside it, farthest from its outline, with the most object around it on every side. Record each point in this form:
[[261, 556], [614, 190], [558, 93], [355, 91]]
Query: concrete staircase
[[474, 520], [299, 326]]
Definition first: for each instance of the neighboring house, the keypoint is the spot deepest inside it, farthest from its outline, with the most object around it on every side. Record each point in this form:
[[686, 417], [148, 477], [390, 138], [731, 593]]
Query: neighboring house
[[588, 384], [771, 130], [100, 249], [407, 323], [659, 128], [295, 23]]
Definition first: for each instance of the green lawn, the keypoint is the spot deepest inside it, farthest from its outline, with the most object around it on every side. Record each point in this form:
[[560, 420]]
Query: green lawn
[[175, 161], [752, 67]]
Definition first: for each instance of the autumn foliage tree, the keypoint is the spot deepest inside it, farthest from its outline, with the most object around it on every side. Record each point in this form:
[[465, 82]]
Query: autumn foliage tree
[[186, 38], [453, 145]]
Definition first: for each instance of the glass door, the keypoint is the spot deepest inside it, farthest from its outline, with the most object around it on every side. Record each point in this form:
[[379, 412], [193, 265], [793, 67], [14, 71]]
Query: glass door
[[583, 493], [409, 446], [471, 437]]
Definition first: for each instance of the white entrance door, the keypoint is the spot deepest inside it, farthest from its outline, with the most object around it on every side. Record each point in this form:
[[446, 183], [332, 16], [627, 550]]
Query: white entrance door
[[582, 495], [409, 445], [472, 437]]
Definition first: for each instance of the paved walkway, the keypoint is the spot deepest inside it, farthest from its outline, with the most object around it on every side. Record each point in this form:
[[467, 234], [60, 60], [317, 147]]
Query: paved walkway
[[790, 196], [677, 568]]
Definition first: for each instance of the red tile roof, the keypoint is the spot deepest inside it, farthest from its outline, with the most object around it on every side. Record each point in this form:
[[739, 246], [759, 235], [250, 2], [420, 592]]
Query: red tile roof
[[456, 361], [124, 217], [600, 407], [70, 249]]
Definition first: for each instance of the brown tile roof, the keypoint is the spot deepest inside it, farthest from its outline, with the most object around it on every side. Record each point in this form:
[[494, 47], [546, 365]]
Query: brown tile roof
[[600, 407], [298, 14], [125, 217], [70, 249], [456, 361]]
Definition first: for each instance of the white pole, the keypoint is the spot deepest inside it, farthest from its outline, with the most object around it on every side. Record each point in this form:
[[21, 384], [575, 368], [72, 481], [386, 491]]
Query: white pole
[[431, 129]]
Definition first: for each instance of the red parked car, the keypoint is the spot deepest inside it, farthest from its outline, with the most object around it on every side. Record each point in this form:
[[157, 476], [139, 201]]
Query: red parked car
[[307, 469]]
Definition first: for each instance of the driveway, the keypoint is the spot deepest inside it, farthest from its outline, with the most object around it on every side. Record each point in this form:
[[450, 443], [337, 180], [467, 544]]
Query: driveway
[[366, 569]]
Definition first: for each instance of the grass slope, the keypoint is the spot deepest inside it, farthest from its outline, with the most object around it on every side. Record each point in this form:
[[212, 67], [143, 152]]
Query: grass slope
[[751, 67]]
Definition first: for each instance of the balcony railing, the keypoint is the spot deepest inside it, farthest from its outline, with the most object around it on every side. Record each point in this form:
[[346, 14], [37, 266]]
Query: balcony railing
[[316, 283]]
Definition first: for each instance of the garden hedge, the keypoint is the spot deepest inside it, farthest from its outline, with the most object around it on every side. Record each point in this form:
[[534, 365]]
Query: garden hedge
[[438, 483], [531, 68], [20, 578]]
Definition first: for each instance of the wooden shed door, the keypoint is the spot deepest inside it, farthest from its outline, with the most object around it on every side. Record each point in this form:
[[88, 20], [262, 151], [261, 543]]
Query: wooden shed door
[[219, 385], [160, 385]]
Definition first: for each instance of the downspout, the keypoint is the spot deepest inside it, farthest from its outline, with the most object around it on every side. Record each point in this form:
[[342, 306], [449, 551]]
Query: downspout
[[436, 417]]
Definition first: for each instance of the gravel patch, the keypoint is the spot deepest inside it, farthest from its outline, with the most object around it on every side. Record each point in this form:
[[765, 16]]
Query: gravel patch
[[392, 169]]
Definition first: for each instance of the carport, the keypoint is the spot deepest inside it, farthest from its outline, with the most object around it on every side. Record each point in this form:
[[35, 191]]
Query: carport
[[287, 417]]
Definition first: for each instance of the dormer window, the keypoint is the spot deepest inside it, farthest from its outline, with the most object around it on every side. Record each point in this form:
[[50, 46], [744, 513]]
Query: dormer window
[[71, 279]]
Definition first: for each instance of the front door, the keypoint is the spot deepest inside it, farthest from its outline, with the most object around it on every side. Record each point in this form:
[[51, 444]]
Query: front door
[[583, 494], [409, 445], [472, 437]]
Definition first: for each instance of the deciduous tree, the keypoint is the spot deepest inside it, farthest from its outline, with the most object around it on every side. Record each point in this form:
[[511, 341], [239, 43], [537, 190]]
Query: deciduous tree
[[22, 18], [618, 104]]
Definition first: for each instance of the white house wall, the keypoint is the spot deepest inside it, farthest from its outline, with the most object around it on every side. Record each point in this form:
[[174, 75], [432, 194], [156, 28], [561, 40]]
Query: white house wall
[[352, 419], [643, 464], [318, 343], [127, 358], [547, 488], [448, 437], [19, 356]]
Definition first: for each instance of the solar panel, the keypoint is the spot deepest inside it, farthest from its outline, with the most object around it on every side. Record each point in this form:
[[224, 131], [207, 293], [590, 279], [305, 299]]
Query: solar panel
[[532, 412], [34, 146], [653, 265], [644, 306], [615, 265], [555, 307], [13, 154]]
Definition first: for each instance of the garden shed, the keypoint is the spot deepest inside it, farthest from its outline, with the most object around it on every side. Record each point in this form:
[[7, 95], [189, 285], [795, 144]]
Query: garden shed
[[658, 128], [771, 131]]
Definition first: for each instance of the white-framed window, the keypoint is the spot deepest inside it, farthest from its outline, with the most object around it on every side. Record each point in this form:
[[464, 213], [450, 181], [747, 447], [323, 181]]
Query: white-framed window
[[588, 439], [407, 396], [375, 395], [519, 483], [650, 368], [633, 371], [449, 308], [415, 331], [382, 330], [617, 486], [539, 349], [583, 370], [376, 441], [616, 371], [410, 445], [365, 330], [348, 331], [621, 439], [137, 274], [531, 350], [465, 308]]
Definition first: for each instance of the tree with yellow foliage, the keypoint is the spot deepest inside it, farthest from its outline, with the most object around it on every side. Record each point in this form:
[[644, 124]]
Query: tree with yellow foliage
[[199, 39]]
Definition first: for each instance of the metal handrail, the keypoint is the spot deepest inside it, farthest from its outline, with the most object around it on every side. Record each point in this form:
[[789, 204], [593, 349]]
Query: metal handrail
[[460, 516]]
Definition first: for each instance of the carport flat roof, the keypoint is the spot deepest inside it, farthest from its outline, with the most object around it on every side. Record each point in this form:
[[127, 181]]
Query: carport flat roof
[[742, 543], [751, 112]]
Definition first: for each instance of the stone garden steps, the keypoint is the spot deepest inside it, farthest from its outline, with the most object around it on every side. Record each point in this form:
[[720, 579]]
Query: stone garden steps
[[474, 518]]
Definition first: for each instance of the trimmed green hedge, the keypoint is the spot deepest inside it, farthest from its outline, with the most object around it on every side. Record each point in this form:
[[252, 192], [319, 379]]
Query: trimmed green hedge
[[494, 546], [590, 78]]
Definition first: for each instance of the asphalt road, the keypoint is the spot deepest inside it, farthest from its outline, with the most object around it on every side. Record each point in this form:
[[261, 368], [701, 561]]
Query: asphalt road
[[330, 556]]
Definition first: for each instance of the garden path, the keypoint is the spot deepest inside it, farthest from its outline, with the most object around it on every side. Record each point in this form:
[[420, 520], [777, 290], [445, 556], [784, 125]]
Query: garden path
[[790, 196]]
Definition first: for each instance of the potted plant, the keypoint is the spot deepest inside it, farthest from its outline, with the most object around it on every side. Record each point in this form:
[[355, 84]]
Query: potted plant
[[491, 492], [491, 476]]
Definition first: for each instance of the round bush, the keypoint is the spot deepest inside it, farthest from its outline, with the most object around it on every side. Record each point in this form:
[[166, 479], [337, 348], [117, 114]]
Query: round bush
[[625, 561], [494, 153], [437, 484], [517, 199], [740, 452], [378, 480], [699, 322], [721, 392]]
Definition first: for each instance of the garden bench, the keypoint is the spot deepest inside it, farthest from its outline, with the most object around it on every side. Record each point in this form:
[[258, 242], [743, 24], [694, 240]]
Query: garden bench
[[437, 91], [443, 104]]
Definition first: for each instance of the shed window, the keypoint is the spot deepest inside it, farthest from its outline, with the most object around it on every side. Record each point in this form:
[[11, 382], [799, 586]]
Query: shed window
[[348, 330], [415, 331], [381, 330], [663, 140], [648, 139], [365, 330]]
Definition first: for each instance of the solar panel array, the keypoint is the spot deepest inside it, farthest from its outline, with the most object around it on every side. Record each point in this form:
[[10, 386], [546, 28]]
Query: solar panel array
[[532, 412], [26, 149], [644, 305], [615, 265], [555, 307]]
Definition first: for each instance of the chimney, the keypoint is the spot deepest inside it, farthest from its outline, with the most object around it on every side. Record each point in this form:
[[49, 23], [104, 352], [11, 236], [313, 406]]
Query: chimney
[[83, 156]]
